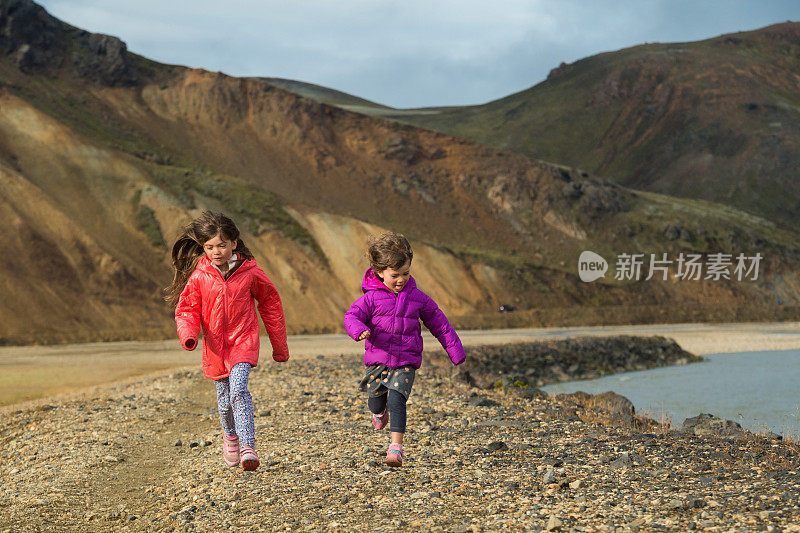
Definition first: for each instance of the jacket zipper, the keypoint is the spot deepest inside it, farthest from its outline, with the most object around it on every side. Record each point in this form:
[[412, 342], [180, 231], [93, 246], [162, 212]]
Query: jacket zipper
[[394, 321], [225, 279]]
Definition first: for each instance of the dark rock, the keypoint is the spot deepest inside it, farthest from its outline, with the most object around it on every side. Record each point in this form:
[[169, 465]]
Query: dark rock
[[695, 503], [616, 409], [559, 71], [436, 153], [598, 200], [672, 233], [578, 398], [528, 393], [628, 460], [483, 402], [460, 374], [708, 424], [573, 191], [155, 158], [403, 150], [553, 361], [514, 382], [29, 34], [497, 446], [178, 443], [37, 41], [675, 505]]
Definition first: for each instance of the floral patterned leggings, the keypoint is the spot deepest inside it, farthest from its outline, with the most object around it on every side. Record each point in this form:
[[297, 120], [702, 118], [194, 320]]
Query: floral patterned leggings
[[236, 405]]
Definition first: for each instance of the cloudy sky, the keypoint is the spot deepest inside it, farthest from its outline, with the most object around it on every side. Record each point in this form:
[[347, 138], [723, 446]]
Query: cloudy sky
[[408, 53]]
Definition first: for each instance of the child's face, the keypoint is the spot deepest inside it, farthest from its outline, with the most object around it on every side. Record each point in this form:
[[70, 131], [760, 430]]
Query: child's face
[[395, 280], [219, 250]]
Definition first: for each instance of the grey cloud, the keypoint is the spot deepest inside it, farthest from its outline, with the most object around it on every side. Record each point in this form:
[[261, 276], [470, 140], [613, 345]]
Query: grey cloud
[[410, 54]]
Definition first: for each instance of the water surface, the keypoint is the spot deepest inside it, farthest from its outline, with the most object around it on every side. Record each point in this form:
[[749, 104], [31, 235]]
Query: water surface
[[760, 390]]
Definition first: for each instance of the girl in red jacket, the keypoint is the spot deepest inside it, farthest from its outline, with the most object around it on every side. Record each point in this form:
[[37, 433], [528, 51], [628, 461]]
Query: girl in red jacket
[[216, 281]]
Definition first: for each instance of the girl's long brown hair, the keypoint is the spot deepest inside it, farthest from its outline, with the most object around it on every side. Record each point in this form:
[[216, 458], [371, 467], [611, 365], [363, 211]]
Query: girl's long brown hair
[[188, 249]]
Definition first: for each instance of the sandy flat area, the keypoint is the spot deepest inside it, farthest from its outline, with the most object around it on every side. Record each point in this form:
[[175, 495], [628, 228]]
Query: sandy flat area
[[31, 372]]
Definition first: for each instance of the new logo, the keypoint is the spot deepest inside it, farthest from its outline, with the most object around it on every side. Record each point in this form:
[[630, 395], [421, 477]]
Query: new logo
[[591, 266]]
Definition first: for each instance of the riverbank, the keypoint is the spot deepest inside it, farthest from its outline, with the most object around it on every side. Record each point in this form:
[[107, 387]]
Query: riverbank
[[34, 372], [534, 364], [145, 455]]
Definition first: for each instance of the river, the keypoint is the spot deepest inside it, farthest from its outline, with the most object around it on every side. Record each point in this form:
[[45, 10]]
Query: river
[[759, 390]]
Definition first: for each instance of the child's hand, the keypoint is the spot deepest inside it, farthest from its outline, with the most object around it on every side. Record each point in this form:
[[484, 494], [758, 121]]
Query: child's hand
[[364, 335]]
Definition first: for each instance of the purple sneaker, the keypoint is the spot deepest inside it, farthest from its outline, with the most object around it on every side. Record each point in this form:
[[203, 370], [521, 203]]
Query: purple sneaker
[[394, 457], [379, 421], [230, 450]]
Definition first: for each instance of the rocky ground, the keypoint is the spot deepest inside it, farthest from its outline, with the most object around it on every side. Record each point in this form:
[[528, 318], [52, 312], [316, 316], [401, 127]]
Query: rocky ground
[[145, 456]]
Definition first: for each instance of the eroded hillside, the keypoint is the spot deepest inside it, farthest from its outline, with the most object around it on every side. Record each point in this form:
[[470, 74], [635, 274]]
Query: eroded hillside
[[104, 155]]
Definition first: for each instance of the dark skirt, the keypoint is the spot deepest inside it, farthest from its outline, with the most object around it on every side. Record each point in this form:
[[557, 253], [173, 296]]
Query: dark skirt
[[379, 379]]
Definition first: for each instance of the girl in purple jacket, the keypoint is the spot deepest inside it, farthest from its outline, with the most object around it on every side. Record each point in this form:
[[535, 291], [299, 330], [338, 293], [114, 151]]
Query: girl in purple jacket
[[387, 318]]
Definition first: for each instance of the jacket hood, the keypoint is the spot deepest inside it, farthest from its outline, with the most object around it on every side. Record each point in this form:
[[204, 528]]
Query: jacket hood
[[372, 282]]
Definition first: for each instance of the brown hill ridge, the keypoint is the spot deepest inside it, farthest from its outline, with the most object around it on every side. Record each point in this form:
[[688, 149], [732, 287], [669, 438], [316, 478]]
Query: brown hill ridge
[[714, 120], [101, 165]]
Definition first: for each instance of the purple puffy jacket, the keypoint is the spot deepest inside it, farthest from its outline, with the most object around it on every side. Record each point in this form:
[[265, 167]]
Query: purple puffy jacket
[[393, 320]]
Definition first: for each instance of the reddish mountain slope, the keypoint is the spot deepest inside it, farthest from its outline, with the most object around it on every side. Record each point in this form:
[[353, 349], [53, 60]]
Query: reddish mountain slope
[[104, 155]]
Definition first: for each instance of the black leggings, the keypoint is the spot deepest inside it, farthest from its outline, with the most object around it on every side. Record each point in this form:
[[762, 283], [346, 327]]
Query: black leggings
[[397, 409]]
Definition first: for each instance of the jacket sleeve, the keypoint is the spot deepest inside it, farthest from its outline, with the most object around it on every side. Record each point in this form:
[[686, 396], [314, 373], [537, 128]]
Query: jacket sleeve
[[271, 311], [187, 314], [437, 323], [355, 319]]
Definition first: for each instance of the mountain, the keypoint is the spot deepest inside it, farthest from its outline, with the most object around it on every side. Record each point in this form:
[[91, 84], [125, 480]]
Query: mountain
[[717, 120], [104, 155]]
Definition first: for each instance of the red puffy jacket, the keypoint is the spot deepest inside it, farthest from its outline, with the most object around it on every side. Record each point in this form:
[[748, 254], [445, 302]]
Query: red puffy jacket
[[226, 311]]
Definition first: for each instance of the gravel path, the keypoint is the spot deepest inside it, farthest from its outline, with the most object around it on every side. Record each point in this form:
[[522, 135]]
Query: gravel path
[[145, 456]]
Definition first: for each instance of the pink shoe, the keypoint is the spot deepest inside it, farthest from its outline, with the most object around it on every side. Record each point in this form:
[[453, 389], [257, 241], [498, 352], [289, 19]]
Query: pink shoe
[[379, 421], [249, 458], [230, 450], [394, 457]]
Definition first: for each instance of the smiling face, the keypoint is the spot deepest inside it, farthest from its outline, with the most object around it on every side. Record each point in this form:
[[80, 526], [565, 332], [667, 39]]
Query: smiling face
[[395, 280], [219, 250]]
